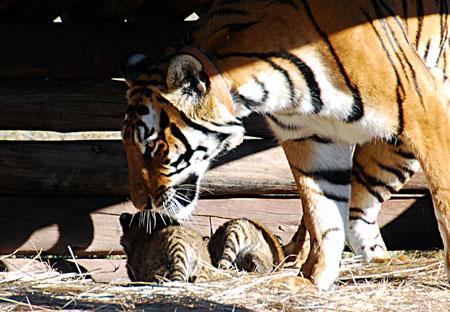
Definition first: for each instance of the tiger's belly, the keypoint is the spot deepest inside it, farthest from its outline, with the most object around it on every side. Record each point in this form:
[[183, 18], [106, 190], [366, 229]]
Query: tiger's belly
[[371, 126]]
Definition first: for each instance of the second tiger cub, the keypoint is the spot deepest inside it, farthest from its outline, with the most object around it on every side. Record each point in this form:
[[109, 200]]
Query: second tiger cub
[[245, 245]]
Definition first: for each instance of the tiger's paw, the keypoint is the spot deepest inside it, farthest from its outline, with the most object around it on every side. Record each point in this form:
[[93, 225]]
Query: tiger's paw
[[292, 282]]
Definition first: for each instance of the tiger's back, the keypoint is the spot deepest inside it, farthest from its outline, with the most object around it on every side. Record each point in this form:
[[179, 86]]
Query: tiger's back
[[245, 245], [173, 252]]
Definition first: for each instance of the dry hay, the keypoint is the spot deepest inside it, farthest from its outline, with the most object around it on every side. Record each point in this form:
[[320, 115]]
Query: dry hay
[[416, 285]]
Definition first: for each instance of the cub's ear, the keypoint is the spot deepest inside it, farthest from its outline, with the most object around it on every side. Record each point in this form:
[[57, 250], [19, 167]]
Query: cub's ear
[[186, 81], [132, 65], [125, 221]]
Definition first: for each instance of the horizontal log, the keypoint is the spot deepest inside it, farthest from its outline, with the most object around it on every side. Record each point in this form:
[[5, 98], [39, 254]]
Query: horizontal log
[[100, 167], [72, 106], [90, 225], [78, 51], [63, 106]]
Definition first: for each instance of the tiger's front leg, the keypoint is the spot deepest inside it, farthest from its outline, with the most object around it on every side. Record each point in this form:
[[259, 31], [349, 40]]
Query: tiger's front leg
[[322, 171]]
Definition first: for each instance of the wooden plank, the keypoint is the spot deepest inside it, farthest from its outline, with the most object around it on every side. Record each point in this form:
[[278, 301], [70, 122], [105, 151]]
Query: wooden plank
[[100, 167], [90, 225], [83, 51], [71, 106], [62, 105]]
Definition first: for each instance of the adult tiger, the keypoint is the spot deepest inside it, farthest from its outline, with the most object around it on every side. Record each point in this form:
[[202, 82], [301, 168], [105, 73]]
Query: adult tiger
[[329, 76]]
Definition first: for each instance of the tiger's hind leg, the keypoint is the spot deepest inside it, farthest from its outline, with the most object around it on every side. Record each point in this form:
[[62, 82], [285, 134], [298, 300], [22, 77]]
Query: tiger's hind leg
[[379, 169], [428, 133], [322, 171]]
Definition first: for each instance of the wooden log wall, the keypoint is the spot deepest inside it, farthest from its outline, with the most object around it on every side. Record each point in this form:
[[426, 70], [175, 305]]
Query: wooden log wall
[[58, 77]]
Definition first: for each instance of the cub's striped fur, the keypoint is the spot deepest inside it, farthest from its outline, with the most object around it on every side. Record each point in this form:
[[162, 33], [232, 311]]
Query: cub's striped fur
[[356, 92], [246, 245], [158, 249]]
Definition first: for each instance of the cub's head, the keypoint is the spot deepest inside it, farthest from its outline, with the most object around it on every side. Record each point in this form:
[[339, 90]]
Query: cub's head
[[176, 124], [136, 227]]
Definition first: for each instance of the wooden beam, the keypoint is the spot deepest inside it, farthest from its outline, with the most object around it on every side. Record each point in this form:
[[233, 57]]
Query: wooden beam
[[90, 225], [72, 106], [78, 51], [62, 105], [100, 167]]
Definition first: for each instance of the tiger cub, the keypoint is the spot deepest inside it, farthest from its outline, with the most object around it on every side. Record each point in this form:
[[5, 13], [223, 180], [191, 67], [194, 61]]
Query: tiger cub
[[158, 248], [245, 245]]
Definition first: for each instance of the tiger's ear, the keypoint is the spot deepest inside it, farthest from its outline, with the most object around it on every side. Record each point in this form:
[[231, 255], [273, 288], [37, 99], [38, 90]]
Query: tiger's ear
[[132, 65], [187, 83]]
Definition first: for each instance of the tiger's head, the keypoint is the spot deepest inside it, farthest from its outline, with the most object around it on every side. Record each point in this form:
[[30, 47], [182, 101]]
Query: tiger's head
[[175, 125]]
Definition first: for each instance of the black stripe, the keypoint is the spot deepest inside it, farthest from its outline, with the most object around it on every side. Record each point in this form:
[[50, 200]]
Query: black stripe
[[444, 27], [427, 49], [373, 192], [305, 70], [196, 126], [372, 248], [334, 197], [285, 73], [420, 15], [358, 109], [373, 181], [164, 121], [402, 177], [308, 74], [326, 232], [248, 103], [335, 176], [405, 12], [147, 131], [399, 86], [358, 210], [405, 154], [178, 250], [314, 138], [142, 110], [411, 68], [264, 90], [352, 218], [281, 124]]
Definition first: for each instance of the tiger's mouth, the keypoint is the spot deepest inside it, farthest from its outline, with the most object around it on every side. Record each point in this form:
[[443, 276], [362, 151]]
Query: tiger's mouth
[[177, 202]]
